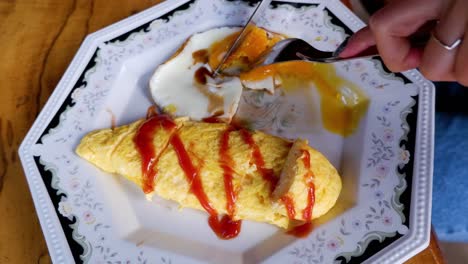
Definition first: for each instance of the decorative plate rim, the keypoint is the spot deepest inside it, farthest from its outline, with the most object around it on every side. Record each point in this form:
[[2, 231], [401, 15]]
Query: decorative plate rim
[[421, 197]]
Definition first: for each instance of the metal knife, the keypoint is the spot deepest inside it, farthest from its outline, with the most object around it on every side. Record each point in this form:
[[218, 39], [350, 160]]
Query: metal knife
[[258, 10]]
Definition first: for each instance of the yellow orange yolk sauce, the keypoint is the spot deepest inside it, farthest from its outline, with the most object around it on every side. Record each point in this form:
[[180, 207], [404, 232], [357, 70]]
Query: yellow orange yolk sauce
[[342, 103]]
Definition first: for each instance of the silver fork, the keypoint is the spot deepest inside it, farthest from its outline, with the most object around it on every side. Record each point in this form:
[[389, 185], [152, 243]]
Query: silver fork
[[294, 49], [297, 49]]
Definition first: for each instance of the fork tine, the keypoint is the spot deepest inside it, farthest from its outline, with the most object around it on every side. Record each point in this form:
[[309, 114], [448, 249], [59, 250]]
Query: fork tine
[[290, 50]]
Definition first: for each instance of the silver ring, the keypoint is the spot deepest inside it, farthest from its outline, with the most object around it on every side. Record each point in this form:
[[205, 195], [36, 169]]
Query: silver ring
[[445, 46]]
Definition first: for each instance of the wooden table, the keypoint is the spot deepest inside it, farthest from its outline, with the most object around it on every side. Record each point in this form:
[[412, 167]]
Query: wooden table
[[37, 42]]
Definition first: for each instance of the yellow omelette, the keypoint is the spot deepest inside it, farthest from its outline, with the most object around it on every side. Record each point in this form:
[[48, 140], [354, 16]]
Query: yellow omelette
[[115, 151]]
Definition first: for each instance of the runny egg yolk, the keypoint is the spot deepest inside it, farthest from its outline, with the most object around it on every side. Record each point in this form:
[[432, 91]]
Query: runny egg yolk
[[252, 47], [343, 104]]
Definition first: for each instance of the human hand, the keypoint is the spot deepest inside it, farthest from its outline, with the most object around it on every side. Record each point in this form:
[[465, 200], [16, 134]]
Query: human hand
[[389, 29]]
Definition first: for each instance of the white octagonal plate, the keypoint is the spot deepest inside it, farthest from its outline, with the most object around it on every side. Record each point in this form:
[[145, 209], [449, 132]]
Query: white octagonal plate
[[382, 215]]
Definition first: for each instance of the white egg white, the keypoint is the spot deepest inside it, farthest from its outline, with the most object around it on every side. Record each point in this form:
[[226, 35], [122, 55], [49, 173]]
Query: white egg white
[[173, 85], [269, 84]]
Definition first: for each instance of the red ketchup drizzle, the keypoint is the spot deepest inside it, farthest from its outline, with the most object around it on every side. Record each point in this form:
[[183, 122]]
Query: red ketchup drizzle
[[289, 204], [307, 213], [212, 119], [226, 163], [267, 174], [144, 144], [305, 229], [301, 231], [225, 228], [191, 173]]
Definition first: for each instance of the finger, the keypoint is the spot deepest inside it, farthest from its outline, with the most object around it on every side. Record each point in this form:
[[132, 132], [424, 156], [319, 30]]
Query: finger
[[438, 63], [461, 64], [360, 41], [392, 26]]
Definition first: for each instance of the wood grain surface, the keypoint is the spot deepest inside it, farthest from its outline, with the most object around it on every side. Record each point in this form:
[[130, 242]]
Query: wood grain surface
[[38, 39]]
